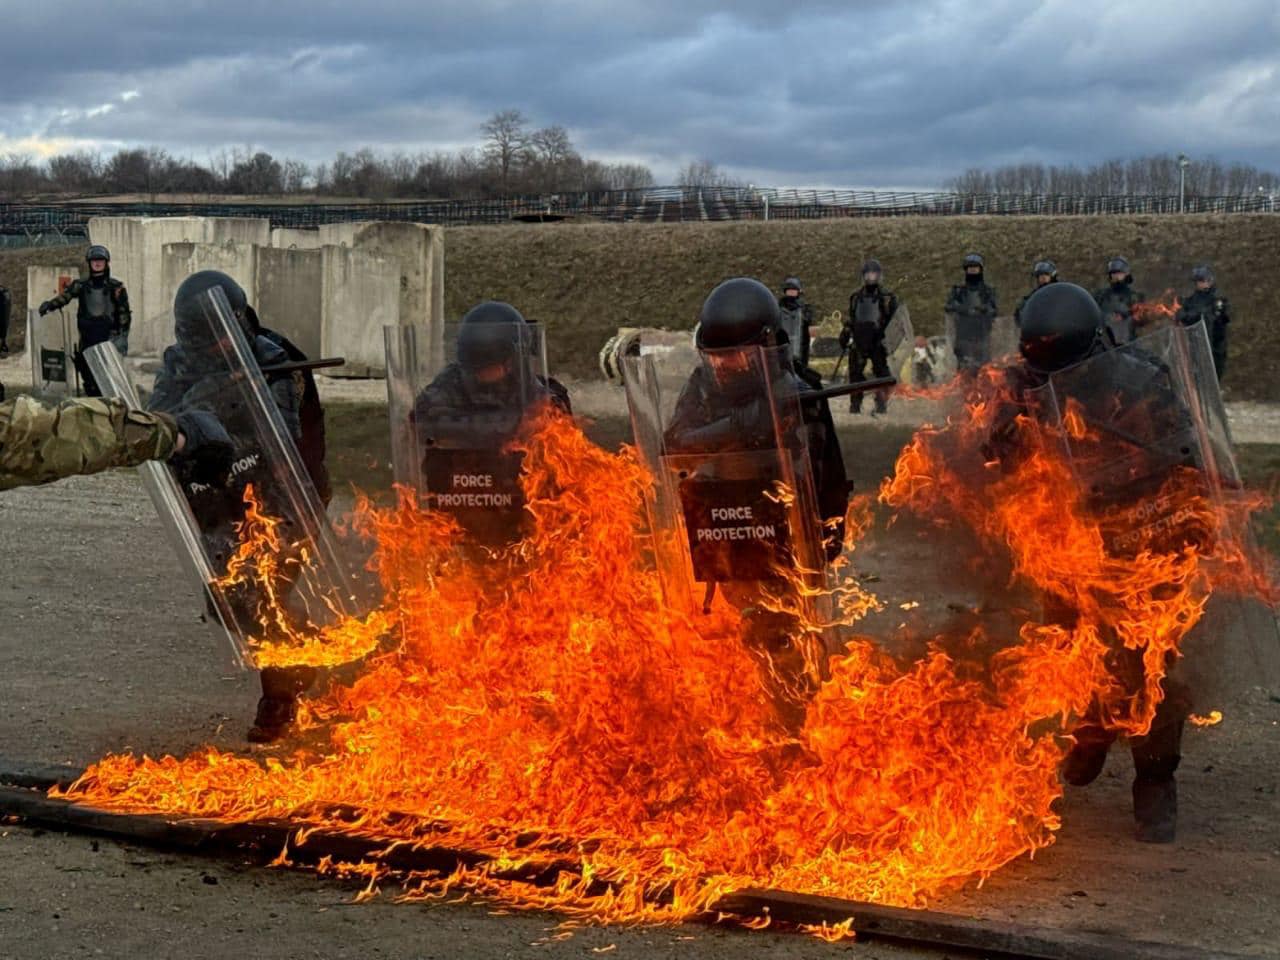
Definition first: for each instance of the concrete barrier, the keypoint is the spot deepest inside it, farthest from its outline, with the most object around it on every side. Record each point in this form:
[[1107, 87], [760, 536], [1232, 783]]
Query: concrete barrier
[[419, 250], [137, 245], [291, 238], [180, 260], [289, 295], [51, 339], [329, 290], [361, 295]]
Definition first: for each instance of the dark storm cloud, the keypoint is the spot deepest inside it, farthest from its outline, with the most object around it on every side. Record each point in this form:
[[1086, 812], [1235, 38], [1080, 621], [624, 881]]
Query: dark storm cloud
[[808, 92]]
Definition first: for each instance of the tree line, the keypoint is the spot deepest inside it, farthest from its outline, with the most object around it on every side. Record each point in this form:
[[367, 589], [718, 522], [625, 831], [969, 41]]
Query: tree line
[[513, 158], [1153, 175]]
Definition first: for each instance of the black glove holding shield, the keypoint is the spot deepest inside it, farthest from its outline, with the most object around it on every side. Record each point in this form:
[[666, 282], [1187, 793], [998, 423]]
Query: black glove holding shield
[[207, 450]]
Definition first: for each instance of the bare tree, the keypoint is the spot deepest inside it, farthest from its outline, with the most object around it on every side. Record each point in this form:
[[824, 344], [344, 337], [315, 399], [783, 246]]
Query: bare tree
[[506, 143]]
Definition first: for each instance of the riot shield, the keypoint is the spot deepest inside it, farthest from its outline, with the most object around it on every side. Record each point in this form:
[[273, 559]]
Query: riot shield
[[1146, 434], [899, 341], [453, 419], [51, 345], [733, 511], [260, 543]]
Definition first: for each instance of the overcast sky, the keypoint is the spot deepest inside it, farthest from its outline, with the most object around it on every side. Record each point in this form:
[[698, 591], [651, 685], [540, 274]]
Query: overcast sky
[[805, 92]]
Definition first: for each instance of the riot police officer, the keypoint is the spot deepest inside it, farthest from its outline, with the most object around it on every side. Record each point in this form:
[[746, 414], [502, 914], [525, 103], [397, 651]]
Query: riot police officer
[[1207, 305], [796, 320], [1042, 272], [1117, 301], [193, 376], [1063, 326], [971, 310], [728, 406], [462, 423], [871, 308], [102, 313]]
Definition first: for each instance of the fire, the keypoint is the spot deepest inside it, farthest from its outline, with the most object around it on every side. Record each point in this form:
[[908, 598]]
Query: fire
[[1150, 311], [545, 707]]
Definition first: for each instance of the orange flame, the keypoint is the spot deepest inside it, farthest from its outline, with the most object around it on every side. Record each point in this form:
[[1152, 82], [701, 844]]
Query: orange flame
[[544, 702], [1150, 311]]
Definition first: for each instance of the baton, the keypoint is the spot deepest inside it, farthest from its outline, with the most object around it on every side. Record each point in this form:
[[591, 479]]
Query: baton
[[846, 389], [836, 372], [293, 365]]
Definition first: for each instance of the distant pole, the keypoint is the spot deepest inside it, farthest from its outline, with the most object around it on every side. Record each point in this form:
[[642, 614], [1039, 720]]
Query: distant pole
[[1183, 163]]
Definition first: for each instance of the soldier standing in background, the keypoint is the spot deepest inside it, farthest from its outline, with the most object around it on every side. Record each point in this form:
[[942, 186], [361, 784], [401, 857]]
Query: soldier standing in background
[[796, 320], [971, 310], [103, 313], [1208, 305], [1043, 271], [1117, 301], [871, 308]]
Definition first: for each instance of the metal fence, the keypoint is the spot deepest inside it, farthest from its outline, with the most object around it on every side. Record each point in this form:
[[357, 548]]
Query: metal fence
[[67, 221]]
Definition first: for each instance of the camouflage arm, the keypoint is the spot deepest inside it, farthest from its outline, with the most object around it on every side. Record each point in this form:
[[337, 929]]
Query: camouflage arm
[[41, 442], [58, 301]]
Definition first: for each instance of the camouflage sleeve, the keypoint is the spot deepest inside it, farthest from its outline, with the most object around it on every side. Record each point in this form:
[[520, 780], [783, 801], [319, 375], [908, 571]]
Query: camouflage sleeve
[[41, 442], [66, 296]]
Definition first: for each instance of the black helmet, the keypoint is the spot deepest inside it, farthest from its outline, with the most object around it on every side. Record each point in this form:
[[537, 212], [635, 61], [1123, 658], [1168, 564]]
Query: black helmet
[[974, 260], [193, 321], [872, 264], [493, 311], [1045, 268], [792, 283], [738, 313], [1118, 265], [1203, 272], [97, 252], [1060, 324], [490, 343]]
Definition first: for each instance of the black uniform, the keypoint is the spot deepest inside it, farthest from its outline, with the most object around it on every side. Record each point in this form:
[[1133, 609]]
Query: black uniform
[[311, 437], [463, 428], [1117, 302], [707, 419], [973, 306], [102, 314], [1125, 397], [1017, 313], [871, 308], [1212, 308], [796, 321]]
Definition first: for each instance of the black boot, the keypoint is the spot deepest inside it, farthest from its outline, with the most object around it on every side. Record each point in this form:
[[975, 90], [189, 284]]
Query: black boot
[[1085, 760], [278, 707], [1155, 810], [272, 719]]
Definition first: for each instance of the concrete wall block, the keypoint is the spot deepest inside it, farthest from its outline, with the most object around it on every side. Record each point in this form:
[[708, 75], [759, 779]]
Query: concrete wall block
[[54, 333], [180, 260], [137, 258], [289, 238], [289, 294], [361, 295]]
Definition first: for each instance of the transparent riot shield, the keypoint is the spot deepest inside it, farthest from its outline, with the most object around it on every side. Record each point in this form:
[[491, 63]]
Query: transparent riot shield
[[899, 342], [1146, 433], [453, 420], [51, 345], [733, 511], [259, 543]]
